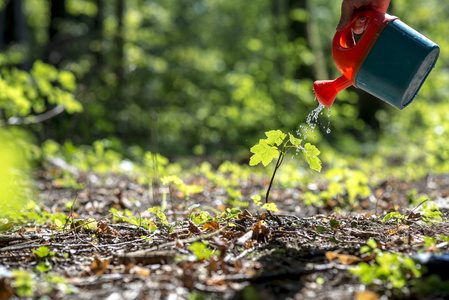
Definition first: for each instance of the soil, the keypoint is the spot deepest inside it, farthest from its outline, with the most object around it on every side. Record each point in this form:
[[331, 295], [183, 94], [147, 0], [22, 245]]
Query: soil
[[300, 252]]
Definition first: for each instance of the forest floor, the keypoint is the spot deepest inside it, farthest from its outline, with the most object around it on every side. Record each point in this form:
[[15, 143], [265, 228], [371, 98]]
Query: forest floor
[[300, 252]]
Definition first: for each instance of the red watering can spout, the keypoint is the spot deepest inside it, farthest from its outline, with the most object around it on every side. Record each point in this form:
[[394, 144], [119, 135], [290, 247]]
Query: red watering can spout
[[327, 90]]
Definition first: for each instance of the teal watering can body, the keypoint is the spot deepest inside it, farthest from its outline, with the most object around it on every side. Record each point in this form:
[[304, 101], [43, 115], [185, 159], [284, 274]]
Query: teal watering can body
[[390, 61]]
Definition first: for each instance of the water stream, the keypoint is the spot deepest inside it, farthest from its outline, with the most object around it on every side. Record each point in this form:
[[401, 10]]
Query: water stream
[[306, 130]]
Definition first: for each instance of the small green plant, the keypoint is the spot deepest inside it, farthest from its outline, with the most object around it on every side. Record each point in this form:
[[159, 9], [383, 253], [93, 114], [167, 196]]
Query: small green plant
[[200, 217], [394, 216], [186, 189], [431, 214], [231, 213], [276, 145], [159, 213], [27, 284], [43, 266], [201, 250], [43, 252], [390, 269], [24, 283], [126, 216], [268, 206], [56, 282], [414, 198], [91, 225], [429, 241]]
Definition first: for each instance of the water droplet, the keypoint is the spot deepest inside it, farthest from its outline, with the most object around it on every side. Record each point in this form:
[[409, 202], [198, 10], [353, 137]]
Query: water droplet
[[328, 130]]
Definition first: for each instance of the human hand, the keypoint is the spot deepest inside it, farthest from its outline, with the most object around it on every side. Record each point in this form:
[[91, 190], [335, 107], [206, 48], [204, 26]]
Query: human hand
[[350, 7]]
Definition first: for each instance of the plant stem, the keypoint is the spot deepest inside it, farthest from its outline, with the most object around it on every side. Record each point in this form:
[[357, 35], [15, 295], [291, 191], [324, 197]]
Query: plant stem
[[278, 164]]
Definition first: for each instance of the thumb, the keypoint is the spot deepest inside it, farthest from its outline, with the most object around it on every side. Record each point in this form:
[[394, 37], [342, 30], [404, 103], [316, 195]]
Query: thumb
[[347, 10]]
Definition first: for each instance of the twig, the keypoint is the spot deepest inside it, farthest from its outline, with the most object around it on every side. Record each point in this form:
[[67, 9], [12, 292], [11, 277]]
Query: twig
[[170, 244], [281, 273], [422, 202], [59, 245], [71, 213], [34, 119]]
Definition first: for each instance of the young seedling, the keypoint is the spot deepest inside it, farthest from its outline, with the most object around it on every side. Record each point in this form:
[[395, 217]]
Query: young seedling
[[277, 144]]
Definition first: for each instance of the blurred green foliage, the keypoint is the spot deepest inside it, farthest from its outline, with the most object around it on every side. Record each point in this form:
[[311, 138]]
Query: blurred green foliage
[[208, 77], [15, 184]]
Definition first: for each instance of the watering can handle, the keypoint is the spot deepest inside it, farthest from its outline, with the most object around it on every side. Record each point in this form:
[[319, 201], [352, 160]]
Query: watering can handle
[[348, 55]]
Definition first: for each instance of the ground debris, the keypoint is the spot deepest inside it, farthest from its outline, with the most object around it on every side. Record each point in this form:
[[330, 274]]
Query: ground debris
[[193, 254]]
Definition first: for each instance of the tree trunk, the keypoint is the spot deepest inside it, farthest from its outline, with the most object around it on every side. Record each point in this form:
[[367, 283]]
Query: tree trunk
[[57, 13], [119, 43], [13, 26]]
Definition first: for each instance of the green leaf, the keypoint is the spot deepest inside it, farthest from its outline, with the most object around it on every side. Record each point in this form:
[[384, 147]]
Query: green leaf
[[43, 267], [256, 200], [270, 207], [200, 250], [372, 243], [275, 137], [24, 283], [159, 213], [67, 80], [320, 229], [91, 225], [58, 223], [311, 154], [295, 141], [398, 217], [333, 223], [41, 252], [264, 153]]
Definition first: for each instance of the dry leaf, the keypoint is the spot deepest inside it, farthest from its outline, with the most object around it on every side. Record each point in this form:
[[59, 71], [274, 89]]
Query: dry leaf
[[193, 228], [345, 259], [212, 225], [137, 270], [391, 231], [403, 227], [366, 295], [97, 267]]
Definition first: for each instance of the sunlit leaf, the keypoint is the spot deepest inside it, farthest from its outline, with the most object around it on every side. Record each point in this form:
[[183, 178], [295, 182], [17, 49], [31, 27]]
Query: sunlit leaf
[[264, 153], [295, 141], [275, 137], [311, 154]]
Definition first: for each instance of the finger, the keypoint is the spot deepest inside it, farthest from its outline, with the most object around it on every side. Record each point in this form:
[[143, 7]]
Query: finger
[[346, 13], [360, 25]]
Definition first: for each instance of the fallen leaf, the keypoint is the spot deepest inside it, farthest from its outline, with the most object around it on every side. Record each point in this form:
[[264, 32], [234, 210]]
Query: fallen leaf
[[366, 295], [212, 225], [403, 227], [97, 267], [391, 231], [138, 270], [345, 259], [193, 228], [104, 228]]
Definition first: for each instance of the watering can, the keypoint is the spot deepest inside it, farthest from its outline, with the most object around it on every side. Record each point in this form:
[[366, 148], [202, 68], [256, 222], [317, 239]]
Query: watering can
[[390, 60]]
